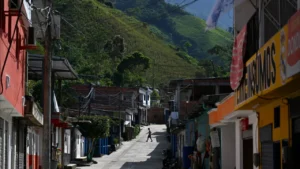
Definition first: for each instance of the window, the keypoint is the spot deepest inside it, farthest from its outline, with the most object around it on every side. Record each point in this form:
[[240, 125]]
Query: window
[[276, 117], [13, 4], [252, 36], [276, 15]]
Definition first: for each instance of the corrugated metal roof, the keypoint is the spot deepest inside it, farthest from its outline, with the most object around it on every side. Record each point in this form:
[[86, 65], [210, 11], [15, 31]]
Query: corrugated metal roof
[[61, 68]]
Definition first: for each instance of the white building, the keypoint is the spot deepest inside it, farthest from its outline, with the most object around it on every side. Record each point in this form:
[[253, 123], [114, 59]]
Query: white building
[[144, 104]]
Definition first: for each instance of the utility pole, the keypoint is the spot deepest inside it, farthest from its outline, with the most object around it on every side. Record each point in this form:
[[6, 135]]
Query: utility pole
[[153, 75], [120, 127], [47, 90]]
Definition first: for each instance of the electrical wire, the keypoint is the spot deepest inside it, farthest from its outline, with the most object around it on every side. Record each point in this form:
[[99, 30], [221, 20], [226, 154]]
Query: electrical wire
[[9, 47]]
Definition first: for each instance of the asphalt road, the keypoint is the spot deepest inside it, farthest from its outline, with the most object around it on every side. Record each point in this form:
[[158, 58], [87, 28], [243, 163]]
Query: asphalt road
[[137, 154]]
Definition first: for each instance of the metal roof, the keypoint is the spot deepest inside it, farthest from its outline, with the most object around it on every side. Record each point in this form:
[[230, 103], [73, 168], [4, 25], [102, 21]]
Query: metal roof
[[201, 81], [61, 68]]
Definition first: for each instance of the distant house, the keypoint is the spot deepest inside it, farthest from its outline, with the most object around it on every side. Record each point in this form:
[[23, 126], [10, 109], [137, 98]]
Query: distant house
[[144, 104]]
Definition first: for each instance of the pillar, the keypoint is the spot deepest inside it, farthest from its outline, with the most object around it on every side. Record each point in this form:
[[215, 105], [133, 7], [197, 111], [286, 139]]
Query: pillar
[[239, 146]]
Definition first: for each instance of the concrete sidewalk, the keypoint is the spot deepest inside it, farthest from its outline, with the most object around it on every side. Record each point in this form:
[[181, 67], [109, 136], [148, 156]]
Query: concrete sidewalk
[[137, 153]]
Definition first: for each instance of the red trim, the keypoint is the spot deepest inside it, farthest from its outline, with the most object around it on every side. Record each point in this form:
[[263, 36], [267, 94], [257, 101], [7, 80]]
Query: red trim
[[12, 13], [58, 123]]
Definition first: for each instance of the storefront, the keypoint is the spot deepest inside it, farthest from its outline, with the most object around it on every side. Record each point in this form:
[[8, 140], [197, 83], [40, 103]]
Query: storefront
[[270, 89]]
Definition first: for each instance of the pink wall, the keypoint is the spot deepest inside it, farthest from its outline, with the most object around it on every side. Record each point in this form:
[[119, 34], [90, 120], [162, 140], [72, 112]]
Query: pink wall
[[15, 66]]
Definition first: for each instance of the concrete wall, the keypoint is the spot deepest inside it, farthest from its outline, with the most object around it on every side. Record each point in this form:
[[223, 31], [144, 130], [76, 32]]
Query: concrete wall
[[228, 146]]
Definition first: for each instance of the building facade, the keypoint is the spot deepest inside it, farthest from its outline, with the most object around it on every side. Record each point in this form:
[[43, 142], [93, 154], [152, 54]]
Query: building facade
[[14, 26], [268, 92]]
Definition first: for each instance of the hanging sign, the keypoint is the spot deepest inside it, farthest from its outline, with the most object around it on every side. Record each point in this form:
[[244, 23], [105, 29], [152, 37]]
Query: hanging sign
[[237, 64]]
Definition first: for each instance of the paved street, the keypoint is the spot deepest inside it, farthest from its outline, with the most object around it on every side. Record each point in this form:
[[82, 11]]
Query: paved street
[[137, 154]]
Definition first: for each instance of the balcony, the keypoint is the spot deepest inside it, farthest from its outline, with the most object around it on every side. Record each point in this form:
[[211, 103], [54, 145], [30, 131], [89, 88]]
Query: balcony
[[32, 112]]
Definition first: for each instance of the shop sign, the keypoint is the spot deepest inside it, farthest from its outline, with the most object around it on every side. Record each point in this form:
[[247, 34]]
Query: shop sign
[[291, 60], [245, 124], [263, 71]]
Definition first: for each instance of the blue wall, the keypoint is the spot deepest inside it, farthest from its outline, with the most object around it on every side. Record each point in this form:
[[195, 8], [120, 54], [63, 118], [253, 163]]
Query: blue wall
[[100, 148]]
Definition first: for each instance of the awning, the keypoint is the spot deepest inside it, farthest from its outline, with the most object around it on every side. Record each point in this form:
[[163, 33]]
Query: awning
[[60, 67]]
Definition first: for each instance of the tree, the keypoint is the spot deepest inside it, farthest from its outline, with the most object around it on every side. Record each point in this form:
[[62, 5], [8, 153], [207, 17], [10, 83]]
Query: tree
[[223, 53], [187, 45], [136, 61], [155, 98], [130, 70], [97, 128], [115, 47]]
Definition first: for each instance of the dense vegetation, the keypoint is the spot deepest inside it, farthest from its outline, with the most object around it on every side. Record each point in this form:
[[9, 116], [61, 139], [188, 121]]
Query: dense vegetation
[[176, 26], [96, 38]]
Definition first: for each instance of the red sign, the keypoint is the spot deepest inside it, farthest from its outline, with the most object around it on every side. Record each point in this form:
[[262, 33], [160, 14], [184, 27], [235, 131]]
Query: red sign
[[294, 39], [291, 58], [244, 124], [237, 65]]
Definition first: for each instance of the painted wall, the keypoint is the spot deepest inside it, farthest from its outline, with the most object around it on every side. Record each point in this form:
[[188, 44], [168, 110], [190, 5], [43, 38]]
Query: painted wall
[[266, 117], [15, 66], [228, 146], [202, 125]]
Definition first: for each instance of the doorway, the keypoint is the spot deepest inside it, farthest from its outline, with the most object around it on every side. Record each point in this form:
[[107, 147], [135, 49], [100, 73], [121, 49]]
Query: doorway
[[248, 153], [295, 140]]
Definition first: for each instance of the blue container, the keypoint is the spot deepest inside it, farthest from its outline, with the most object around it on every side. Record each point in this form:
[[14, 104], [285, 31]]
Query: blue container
[[185, 159]]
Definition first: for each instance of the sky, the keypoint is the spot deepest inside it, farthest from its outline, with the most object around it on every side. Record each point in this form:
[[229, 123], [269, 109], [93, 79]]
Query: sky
[[202, 8]]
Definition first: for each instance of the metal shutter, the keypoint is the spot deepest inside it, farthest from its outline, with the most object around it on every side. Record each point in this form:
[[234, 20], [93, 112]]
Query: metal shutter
[[267, 155], [1, 143], [265, 133]]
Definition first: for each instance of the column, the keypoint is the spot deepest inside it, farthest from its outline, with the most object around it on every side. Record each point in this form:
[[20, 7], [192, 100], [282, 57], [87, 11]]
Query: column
[[239, 146]]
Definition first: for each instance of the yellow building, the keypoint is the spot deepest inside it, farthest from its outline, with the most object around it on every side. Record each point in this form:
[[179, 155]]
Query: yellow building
[[271, 87]]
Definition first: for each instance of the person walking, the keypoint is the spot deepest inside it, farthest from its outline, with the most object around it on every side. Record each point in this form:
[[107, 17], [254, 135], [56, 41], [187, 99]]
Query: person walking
[[149, 135]]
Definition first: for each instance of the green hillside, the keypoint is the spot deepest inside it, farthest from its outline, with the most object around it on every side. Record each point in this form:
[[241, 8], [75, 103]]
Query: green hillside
[[86, 27], [177, 25]]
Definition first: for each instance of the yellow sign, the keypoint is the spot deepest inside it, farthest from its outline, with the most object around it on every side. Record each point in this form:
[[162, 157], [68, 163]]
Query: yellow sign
[[263, 70]]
